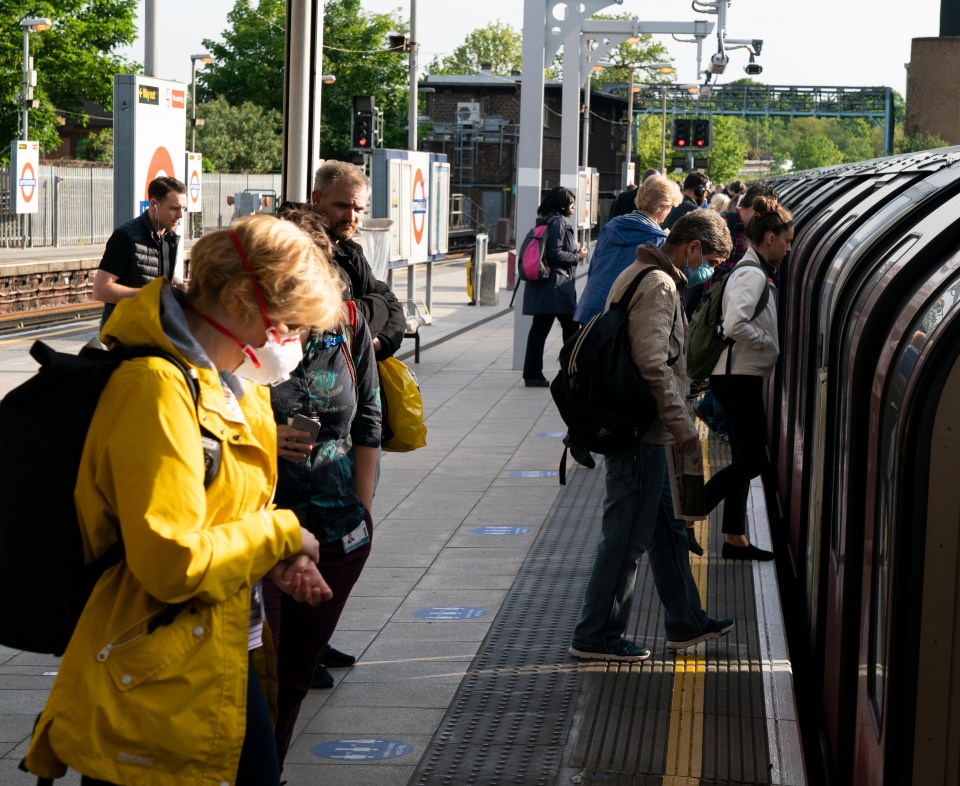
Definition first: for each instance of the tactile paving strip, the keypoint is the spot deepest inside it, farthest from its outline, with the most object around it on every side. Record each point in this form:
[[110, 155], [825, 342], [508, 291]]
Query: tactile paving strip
[[511, 716], [527, 713]]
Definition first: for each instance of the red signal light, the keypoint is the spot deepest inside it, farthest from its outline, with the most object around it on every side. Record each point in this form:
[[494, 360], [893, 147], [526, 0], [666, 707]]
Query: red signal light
[[681, 143]]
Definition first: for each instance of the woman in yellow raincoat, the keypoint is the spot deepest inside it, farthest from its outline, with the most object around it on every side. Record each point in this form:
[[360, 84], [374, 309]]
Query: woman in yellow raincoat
[[156, 685]]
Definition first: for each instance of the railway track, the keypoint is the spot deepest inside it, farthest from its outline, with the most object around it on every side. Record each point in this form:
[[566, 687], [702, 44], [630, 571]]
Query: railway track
[[49, 317]]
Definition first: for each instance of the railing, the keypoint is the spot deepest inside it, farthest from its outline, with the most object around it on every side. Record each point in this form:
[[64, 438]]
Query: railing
[[76, 205]]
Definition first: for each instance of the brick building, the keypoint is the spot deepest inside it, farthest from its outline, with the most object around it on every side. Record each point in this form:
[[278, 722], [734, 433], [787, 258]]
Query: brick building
[[933, 103], [475, 120]]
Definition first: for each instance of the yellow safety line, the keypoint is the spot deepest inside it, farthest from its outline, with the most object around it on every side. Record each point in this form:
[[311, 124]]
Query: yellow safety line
[[684, 765]]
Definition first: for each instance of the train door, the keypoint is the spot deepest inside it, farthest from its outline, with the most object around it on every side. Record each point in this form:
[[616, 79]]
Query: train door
[[875, 289], [907, 693]]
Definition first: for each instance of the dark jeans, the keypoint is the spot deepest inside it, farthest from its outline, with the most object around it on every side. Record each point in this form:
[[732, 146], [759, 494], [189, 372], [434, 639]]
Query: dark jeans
[[638, 518], [537, 338], [710, 407], [741, 397], [301, 632], [258, 757]]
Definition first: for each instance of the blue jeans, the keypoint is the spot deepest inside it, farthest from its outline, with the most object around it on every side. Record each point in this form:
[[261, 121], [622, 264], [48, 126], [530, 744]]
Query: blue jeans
[[638, 518]]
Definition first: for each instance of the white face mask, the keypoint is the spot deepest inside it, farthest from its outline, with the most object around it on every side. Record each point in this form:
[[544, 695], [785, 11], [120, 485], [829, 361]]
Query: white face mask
[[272, 363]]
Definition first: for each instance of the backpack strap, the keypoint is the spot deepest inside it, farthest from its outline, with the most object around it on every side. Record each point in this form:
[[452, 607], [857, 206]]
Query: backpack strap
[[212, 454], [624, 300], [348, 337]]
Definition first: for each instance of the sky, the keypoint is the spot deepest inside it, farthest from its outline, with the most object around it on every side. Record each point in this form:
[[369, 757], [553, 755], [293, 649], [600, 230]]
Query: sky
[[814, 42]]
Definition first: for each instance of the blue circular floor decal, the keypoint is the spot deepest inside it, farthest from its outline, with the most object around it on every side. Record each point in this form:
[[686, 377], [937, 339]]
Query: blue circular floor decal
[[500, 530], [450, 613], [534, 473], [361, 750], [553, 434]]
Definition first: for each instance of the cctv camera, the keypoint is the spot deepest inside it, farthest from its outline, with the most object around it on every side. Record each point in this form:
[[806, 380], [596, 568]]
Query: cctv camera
[[757, 45], [753, 69], [718, 62]]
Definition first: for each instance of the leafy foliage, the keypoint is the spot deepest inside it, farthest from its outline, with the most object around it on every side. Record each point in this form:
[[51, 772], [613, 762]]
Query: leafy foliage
[[248, 67], [243, 138], [498, 44], [915, 142], [97, 147], [729, 148], [355, 50], [814, 152], [75, 58], [644, 52]]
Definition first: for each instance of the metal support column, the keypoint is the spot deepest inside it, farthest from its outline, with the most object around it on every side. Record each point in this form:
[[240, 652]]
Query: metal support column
[[301, 100]]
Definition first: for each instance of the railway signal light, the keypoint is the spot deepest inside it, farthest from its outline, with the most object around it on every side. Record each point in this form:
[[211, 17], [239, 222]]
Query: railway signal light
[[701, 134], [681, 133], [362, 127]]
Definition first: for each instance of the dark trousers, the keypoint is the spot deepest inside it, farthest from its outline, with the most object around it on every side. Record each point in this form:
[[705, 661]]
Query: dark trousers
[[741, 397], [301, 632], [537, 338], [258, 757]]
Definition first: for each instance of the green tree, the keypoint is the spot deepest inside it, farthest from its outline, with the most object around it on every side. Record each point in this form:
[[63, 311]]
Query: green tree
[[497, 43], [355, 50], [644, 52], [815, 152], [97, 147], [248, 64], [729, 149], [74, 58], [249, 67], [245, 138], [647, 144], [916, 142]]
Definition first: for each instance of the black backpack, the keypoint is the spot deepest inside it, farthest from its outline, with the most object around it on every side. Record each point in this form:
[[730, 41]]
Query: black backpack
[[43, 426], [601, 395]]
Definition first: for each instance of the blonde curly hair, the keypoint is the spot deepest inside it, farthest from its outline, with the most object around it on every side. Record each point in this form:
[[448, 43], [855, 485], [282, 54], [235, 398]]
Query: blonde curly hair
[[298, 283]]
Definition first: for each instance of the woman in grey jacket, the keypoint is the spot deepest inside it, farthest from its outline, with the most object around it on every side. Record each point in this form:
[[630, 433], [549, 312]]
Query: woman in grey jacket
[[554, 297], [737, 379]]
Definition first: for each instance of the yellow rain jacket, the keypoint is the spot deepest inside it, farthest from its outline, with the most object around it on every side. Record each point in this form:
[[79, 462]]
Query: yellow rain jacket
[[132, 706]]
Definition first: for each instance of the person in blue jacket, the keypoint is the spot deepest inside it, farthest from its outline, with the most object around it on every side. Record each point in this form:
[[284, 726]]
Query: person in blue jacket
[[554, 297], [617, 247]]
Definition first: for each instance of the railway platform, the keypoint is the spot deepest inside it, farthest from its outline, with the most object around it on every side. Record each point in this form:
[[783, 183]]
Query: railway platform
[[462, 617]]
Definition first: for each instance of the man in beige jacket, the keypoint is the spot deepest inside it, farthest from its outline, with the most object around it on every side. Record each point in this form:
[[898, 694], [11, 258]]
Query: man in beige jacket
[[638, 509]]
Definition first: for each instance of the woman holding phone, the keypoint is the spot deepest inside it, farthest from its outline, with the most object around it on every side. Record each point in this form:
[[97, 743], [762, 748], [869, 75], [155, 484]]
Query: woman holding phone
[[327, 470], [161, 682]]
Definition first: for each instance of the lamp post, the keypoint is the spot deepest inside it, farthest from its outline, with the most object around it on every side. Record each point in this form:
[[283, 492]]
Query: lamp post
[[661, 68], [204, 57], [32, 24], [412, 119], [663, 131]]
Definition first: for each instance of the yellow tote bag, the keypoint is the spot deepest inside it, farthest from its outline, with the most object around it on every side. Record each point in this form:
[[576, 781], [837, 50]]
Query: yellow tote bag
[[402, 408]]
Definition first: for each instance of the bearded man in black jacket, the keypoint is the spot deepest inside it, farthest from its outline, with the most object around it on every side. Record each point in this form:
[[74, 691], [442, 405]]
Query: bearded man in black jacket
[[340, 194]]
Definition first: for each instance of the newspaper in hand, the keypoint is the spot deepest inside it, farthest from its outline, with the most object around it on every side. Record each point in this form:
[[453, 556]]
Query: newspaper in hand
[[686, 483]]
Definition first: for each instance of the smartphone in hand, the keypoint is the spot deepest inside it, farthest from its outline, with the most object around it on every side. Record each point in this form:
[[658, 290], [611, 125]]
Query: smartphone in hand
[[303, 423]]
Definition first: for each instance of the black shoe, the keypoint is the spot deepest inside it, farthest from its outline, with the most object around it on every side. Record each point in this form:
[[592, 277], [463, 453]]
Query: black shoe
[[335, 659], [322, 678], [537, 383], [692, 543], [750, 551]]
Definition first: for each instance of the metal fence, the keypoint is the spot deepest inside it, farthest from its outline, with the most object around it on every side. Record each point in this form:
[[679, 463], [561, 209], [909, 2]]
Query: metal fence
[[76, 205]]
